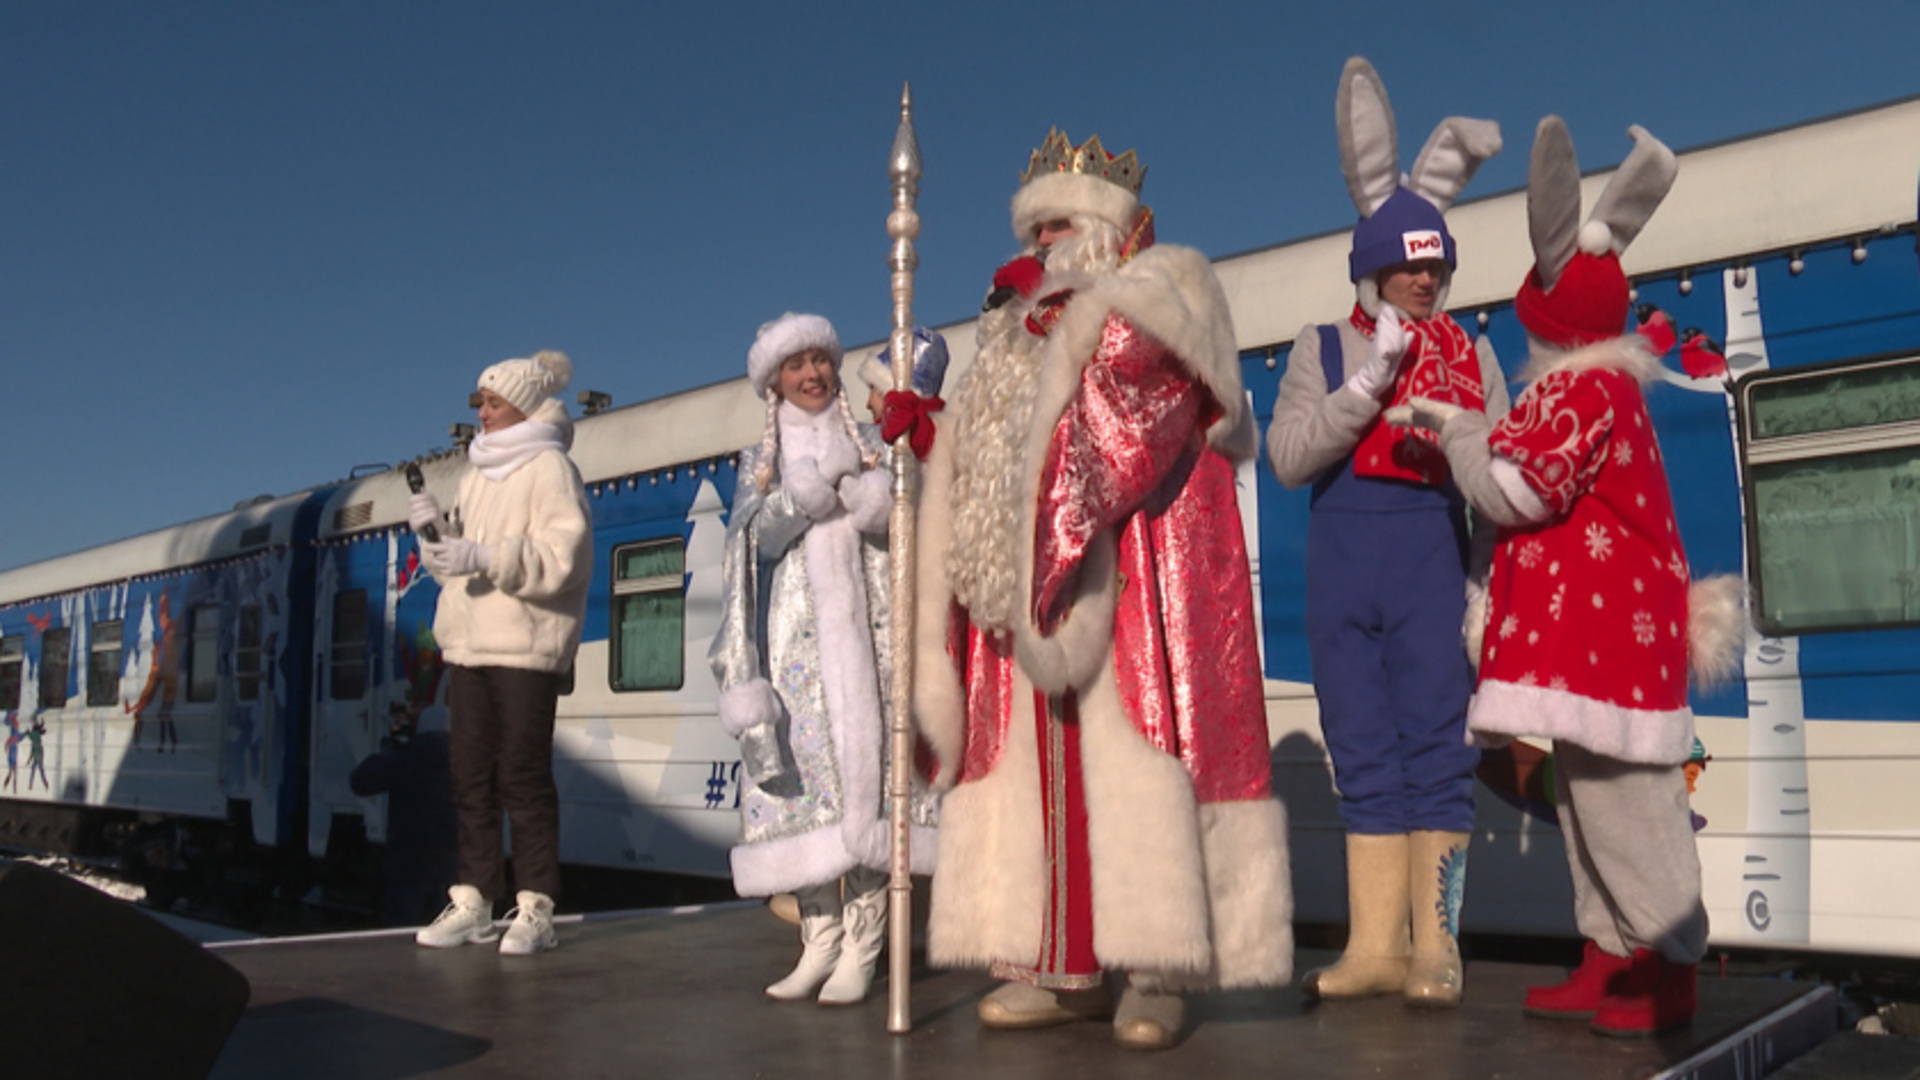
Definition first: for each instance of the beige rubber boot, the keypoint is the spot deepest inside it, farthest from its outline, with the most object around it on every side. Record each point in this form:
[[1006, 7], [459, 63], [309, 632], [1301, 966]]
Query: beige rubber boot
[[1375, 961], [1439, 872]]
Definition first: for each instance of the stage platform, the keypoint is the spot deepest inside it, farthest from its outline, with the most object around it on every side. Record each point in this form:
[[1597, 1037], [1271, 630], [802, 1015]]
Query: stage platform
[[679, 994]]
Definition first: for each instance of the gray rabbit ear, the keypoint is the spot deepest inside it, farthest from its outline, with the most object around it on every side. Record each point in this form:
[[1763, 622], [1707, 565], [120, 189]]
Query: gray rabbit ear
[[1452, 154], [1636, 188], [1553, 199], [1369, 148]]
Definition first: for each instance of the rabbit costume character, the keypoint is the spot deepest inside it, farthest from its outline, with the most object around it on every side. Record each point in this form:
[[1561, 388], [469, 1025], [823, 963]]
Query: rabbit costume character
[[1087, 671], [1592, 623], [1387, 552], [801, 659]]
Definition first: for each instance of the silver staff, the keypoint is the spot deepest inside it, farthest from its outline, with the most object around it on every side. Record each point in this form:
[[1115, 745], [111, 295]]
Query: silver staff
[[903, 225]]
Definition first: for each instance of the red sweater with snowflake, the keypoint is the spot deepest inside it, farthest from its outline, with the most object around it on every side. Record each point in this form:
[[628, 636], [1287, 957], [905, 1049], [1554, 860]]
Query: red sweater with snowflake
[[1586, 635]]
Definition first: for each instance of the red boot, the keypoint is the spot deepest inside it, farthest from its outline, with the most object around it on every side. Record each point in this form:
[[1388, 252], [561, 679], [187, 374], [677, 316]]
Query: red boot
[[1655, 995], [1579, 997]]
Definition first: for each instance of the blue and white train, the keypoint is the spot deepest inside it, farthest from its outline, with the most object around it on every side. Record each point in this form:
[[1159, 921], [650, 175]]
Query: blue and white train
[[222, 677]]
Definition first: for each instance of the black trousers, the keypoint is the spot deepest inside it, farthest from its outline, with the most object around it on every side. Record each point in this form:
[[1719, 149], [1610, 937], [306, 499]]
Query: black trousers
[[502, 759]]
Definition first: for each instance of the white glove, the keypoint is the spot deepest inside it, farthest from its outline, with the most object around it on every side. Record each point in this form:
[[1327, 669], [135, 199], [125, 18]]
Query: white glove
[[868, 498], [1390, 341], [841, 458], [811, 492], [424, 510], [1424, 413], [456, 557]]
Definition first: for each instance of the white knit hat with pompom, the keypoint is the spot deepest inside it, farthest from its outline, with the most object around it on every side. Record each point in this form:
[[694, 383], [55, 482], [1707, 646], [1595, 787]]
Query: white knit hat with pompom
[[526, 383]]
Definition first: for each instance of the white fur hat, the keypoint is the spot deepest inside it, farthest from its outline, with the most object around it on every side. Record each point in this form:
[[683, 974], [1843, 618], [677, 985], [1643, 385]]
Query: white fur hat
[[525, 384], [789, 334]]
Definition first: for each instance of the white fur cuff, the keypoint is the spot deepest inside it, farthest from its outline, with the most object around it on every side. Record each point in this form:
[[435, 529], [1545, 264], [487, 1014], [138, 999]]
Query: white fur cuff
[[810, 490], [748, 704], [1083, 642]]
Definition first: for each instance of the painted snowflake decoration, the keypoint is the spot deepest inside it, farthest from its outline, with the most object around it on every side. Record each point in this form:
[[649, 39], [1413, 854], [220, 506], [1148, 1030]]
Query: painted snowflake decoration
[[1644, 631], [1453, 889], [1599, 544], [1509, 626], [1622, 454]]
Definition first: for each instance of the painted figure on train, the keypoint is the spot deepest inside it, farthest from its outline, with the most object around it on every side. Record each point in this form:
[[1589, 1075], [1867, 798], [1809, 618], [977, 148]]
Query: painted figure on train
[[1388, 552], [802, 661], [1087, 673]]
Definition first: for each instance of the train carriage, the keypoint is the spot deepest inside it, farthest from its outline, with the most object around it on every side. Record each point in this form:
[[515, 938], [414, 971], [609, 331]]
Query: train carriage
[[263, 652]]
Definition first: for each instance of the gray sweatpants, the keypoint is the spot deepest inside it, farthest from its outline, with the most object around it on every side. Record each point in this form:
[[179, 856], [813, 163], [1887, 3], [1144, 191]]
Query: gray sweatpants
[[1630, 848]]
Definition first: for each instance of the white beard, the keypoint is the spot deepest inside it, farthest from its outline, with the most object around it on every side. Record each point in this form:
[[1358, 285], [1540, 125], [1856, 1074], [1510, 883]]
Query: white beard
[[993, 417]]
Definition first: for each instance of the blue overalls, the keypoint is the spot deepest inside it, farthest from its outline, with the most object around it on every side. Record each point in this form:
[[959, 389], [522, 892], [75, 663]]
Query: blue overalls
[[1386, 595]]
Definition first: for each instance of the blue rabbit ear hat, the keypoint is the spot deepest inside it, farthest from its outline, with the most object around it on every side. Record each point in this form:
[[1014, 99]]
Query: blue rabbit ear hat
[[1405, 228], [929, 365]]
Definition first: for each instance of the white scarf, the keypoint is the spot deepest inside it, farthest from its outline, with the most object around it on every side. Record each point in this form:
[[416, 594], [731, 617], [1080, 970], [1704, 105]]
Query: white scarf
[[498, 453]]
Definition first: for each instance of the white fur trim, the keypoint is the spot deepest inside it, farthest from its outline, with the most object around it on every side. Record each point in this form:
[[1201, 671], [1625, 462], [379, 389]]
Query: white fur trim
[[781, 338], [1513, 484], [1646, 736], [939, 703], [749, 705], [875, 374], [1143, 839], [990, 827], [1060, 194], [1627, 353], [1716, 628], [1084, 640], [1250, 884], [1473, 625]]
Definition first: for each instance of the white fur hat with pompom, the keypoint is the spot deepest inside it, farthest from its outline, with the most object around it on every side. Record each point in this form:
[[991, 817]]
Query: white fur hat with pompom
[[525, 384], [789, 334]]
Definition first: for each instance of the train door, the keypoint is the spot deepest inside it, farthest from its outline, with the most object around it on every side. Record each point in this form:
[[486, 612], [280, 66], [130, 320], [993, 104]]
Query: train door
[[349, 596]]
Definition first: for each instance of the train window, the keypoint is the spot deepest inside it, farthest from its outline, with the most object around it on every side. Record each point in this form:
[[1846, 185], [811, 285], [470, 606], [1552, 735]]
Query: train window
[[203, 655], [103, 663], [246, 655], [1832, 463], [55, 646], [13, 655], [646, 639], [347, 659]]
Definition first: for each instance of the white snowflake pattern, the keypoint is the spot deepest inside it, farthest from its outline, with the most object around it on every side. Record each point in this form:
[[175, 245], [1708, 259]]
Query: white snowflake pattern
[[1531, 553], [1559, 601], [1558, 682], [1643, 628], [1677, 565], [1599, 601], [1663, 673], [1640, 501], [1509, 626], [1639, 585], [1529, 679], [1533, 637], [1673, 629], [1593, 658], [1638, 696], [1599, 544], [1622, 454], [1553, 568]]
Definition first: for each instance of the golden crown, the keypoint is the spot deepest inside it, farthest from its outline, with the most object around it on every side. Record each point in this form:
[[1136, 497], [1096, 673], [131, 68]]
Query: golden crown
[[1058, 154]]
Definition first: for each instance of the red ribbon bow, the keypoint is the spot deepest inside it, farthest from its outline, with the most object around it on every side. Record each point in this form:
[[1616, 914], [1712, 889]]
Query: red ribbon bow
[[907, 413]]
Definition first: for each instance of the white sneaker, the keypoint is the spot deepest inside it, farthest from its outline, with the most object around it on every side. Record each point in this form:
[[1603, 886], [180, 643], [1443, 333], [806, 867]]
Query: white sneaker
[[532, 928], [467, 920]]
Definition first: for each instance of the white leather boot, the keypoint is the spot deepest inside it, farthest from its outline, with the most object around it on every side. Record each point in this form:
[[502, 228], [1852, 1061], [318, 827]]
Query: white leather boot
[[819, 943], [863, 925]]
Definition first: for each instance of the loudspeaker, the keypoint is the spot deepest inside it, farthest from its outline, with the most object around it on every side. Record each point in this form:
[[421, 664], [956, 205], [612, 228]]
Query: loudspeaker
[[91, 986]]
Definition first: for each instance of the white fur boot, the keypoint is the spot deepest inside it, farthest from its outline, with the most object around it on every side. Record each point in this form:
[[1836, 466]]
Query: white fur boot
[[819, 942], [863, 932]]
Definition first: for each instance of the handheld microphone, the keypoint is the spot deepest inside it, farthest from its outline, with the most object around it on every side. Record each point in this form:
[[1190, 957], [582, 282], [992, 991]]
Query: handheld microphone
[[417, 484]]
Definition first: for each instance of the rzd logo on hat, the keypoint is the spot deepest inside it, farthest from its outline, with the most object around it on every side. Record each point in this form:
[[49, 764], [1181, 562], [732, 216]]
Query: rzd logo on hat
[[1423, 244]]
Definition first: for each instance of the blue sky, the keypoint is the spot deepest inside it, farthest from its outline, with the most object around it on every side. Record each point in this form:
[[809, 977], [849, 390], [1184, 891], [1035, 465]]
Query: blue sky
[[246, 247]]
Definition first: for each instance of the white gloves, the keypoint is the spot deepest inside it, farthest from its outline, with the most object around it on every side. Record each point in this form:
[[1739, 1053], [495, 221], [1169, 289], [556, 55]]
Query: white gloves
[[1390, 341], [455, 557], [1423, 412], [868, 498], [840, 459], [424, 510]]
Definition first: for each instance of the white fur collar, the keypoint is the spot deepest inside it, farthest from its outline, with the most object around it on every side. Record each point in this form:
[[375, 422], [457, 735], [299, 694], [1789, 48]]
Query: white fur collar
[[1627, 354], [1171, 294]]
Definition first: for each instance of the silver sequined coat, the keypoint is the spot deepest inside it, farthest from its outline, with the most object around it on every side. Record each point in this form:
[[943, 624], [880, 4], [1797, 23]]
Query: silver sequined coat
[[805, 614]]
